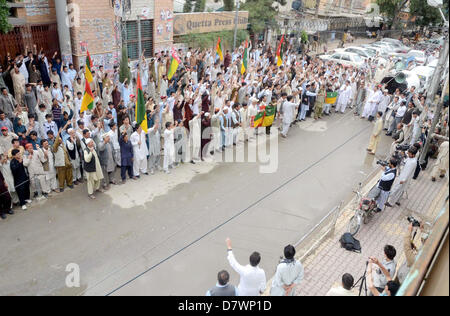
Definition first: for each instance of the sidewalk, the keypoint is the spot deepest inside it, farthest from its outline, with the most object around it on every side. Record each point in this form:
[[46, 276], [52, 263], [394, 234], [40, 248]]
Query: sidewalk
[[325, 266]]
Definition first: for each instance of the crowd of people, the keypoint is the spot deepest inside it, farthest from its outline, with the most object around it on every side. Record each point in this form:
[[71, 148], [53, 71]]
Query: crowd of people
[[48, 144]]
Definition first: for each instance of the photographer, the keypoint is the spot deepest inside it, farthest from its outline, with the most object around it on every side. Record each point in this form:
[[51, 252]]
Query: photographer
[[403, 180], [381, 192], [410, 247], [384, 272]]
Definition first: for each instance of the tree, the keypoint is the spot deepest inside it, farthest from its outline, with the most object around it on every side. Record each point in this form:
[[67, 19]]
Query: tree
[[124, 70], [200, 6], [262, 14], [392, 8], [228, 5], [187, 8], [5, 27], [425, 13]]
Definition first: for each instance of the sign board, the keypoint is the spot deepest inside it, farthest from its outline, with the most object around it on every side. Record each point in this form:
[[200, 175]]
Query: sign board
[[204, 22]]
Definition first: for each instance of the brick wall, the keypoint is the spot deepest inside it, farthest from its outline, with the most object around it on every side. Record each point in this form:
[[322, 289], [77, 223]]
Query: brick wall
[[138, 5], [97, 32]]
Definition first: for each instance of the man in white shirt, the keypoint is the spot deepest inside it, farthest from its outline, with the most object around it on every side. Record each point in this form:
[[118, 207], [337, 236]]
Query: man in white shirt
[[403, 180], [253, 278], [345, 289]]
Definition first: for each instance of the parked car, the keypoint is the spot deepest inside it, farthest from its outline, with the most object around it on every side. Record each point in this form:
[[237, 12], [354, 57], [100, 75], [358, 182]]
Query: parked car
[[425, 75], [378, 50], [419, 56], [345, 58], [364, 53]]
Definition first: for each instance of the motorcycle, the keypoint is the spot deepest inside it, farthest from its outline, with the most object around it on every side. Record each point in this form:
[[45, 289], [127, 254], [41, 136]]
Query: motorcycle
[[363, 214]]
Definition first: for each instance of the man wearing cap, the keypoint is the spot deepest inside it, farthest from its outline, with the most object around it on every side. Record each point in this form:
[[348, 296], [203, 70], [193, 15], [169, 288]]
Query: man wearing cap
[[140, 152], [21, 179], [73, 145], [7, 103], [106, 151], [34, 160], [376, 132], [92, 167], [225, 124], [6, 139], [62, 163]]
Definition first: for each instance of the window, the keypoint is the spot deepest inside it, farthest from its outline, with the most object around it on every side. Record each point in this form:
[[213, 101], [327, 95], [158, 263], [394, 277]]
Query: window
[[336, 56], [132, 41], [346, 57]]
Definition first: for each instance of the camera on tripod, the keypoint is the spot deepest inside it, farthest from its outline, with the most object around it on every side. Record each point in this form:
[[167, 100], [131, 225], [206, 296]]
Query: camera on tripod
[[413, 221], [383, 163]]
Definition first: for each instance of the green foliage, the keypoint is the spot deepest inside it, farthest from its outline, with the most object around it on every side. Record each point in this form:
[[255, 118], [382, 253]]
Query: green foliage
[[425, 14], [124, 71], [187, 8], [209, 40], [5, 27], [200, 6], [304, 36], [391, 8], [228, 5], [261, 14]]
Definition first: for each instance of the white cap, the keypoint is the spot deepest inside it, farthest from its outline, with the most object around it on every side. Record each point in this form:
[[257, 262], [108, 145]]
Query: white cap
[[88, 141]]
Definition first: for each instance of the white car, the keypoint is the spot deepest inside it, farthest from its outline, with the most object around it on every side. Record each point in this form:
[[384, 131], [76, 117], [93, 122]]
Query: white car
[[363, 52], [344, 58], [419, 56], [425, 75]]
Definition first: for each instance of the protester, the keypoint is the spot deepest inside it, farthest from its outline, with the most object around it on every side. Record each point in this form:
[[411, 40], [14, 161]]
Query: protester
[[253, 279]]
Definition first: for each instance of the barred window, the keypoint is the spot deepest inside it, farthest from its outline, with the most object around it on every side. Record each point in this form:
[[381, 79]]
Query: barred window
[[132, 41]]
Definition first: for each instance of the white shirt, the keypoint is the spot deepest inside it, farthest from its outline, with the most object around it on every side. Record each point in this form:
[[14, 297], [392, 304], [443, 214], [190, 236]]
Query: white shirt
[[253, 279], [401, 111], [287, 273], [408, 169], [340, 291]]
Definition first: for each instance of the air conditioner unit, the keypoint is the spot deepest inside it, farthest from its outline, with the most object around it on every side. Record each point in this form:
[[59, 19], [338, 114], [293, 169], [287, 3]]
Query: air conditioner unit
[[297, 5]]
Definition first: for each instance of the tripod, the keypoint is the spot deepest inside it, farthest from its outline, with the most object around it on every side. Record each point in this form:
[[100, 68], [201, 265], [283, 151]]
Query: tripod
[[363, 281]]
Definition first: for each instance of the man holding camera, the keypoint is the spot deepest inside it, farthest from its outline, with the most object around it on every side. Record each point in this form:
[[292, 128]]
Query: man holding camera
[[379, 274], [383, 188], [404, 178]]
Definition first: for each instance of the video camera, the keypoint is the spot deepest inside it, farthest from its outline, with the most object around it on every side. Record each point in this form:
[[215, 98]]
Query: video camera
[[413, 221]]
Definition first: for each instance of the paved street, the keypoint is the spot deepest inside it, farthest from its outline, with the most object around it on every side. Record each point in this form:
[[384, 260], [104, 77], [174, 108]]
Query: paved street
[[173, 227], [324, 269]]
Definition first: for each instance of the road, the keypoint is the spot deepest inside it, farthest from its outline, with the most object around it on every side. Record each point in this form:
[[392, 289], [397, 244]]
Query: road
[[165, 234]]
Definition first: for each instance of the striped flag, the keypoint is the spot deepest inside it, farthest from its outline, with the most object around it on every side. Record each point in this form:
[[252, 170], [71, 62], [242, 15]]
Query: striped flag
[[331, 97], [176, 61], [89, 66], [264, 118], [244, 59], [280, 52], [88, 99], [141, 115], [219, 50]]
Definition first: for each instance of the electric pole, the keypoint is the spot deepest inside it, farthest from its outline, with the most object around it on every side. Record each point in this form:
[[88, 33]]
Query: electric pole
[[238, 5], [431, 95], [139, 35]]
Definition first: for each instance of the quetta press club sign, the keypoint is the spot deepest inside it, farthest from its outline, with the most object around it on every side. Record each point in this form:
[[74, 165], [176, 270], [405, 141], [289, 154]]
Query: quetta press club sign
[[186, 23]]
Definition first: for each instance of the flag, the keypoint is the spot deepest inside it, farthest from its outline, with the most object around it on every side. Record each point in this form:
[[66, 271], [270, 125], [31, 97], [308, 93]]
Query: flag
[[269, 116], [244, 59], [141, 113], [174, 64], [219, 50], [280, 52], [89, 65], [88, 99], [331, 97], [264, 118]]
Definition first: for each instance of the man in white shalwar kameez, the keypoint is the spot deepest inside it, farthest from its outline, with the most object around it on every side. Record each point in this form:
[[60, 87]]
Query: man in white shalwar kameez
[[345, 94], [289, 110], [140, 152], [195, 136], [372, 102], [403, 180], [289, 274], [169, 147]]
